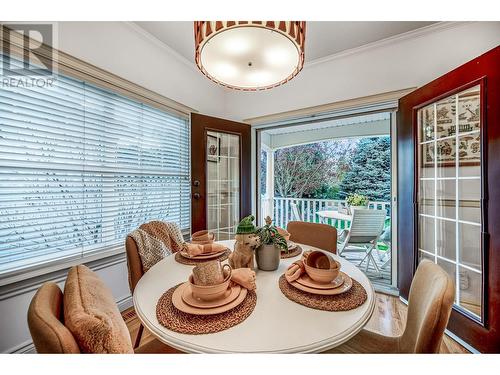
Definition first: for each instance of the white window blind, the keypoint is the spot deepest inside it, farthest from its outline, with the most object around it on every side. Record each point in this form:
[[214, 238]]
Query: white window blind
[[80, 167]]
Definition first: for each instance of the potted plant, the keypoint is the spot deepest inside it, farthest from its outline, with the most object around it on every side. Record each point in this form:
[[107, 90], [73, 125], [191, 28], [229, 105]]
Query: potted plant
[[271, 244], [357, 201]]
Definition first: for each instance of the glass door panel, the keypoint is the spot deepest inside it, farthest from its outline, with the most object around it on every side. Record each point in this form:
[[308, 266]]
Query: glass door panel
[[223, 183], [449, 193]]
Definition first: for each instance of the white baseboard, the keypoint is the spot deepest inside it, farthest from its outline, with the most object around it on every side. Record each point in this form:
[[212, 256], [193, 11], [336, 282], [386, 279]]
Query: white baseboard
[[26, 347], [125, 303]]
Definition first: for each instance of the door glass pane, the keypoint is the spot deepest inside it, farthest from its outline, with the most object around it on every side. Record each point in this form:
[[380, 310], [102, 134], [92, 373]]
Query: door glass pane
[[446, 197], [427, 240], [449, 196], [446, 155], [446, 118], [469, 205], [470, 290], [427, 193], [223, 185]]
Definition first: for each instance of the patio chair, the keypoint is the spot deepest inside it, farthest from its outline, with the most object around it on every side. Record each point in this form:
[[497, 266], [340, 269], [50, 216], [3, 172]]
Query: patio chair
[[296, 216], [362, 236]]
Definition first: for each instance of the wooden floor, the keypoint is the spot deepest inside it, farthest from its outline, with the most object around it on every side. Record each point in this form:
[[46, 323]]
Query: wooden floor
[[388, 319]]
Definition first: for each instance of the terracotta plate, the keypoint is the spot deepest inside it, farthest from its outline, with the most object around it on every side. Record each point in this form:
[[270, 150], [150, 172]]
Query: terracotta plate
[[184, 307], [307, 281], [202, 256], [231, 294], [326, 292]]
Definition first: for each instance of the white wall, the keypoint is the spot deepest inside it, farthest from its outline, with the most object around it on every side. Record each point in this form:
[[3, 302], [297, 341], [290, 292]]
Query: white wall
[[396, 65], [124, 50]]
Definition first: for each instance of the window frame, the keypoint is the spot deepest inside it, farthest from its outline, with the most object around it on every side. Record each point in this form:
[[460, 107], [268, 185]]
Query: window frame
[[88, 73]]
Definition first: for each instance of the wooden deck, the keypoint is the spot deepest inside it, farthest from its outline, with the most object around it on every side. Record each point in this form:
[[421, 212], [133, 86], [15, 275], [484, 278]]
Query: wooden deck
[[384, 278]]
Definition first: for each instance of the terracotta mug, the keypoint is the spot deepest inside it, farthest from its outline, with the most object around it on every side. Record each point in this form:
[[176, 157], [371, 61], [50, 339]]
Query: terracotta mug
[[211, 273]]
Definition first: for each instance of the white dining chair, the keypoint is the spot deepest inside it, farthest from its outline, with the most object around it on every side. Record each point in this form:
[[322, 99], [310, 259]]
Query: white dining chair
[[296, 216], [362, 236]]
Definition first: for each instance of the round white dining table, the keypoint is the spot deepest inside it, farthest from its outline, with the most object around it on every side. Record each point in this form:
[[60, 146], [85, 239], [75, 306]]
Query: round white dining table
[[335, 215], [277, 325]]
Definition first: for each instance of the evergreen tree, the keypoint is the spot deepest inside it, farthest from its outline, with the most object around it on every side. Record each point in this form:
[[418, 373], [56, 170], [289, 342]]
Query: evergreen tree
[[370, 172]]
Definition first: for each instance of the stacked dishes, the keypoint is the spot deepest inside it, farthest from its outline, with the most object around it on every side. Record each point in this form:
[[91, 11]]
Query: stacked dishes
[[209, 290], [206, 240], [203, 256], [322, 276]]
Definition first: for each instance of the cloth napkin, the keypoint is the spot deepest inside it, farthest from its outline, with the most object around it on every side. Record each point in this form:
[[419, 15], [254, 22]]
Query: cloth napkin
[[244, 277], [197, 249], [202, 237], [297, 268]]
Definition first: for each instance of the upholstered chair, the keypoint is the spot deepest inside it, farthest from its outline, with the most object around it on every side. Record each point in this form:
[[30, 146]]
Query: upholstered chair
[[46, 322], [321, 236], [135, 272], [94, 315], [431, 298]]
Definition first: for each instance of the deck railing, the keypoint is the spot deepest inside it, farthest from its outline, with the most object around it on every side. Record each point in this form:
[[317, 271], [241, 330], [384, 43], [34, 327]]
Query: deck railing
[[281, 211]]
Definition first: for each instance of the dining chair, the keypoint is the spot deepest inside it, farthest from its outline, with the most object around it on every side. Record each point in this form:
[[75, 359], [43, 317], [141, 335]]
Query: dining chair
[[135, 272], [317, 235], [295, 212], [50, 335], [432, 293], [363, 234]]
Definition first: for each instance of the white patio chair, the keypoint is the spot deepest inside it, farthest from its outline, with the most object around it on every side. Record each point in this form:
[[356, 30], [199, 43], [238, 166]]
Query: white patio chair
[[296, 216], [362, 236]]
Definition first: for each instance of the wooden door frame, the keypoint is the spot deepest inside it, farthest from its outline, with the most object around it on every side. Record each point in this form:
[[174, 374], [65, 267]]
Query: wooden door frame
[[200, 124], [484, 336]]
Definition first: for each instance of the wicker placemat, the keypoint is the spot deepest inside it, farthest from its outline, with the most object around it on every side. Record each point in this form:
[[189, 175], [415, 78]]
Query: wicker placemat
[[292, 253], [349, 300], [193, 262], [172, 318]]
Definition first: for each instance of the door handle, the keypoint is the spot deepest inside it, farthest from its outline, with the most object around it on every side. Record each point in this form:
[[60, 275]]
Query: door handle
[[196, 195]]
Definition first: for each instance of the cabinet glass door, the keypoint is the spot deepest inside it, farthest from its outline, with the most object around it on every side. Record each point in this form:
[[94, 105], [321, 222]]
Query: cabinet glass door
[[449, 193]]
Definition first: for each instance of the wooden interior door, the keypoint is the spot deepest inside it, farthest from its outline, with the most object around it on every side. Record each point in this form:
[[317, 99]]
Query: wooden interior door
[[220, 174], [449, 195]]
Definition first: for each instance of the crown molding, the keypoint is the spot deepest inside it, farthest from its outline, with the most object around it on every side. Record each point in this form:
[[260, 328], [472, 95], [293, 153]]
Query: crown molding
[[413, 34], [157, 42]]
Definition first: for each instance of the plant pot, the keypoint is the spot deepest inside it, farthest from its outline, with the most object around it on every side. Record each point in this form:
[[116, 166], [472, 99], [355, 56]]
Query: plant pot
[[268, 257]]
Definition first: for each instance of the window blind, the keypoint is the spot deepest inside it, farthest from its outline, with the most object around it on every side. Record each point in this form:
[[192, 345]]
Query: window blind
[[80, 167]]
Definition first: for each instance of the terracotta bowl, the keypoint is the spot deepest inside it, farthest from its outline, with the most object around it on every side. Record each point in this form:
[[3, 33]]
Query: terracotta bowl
[[321, 267], [210, 292], [318, 259]]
